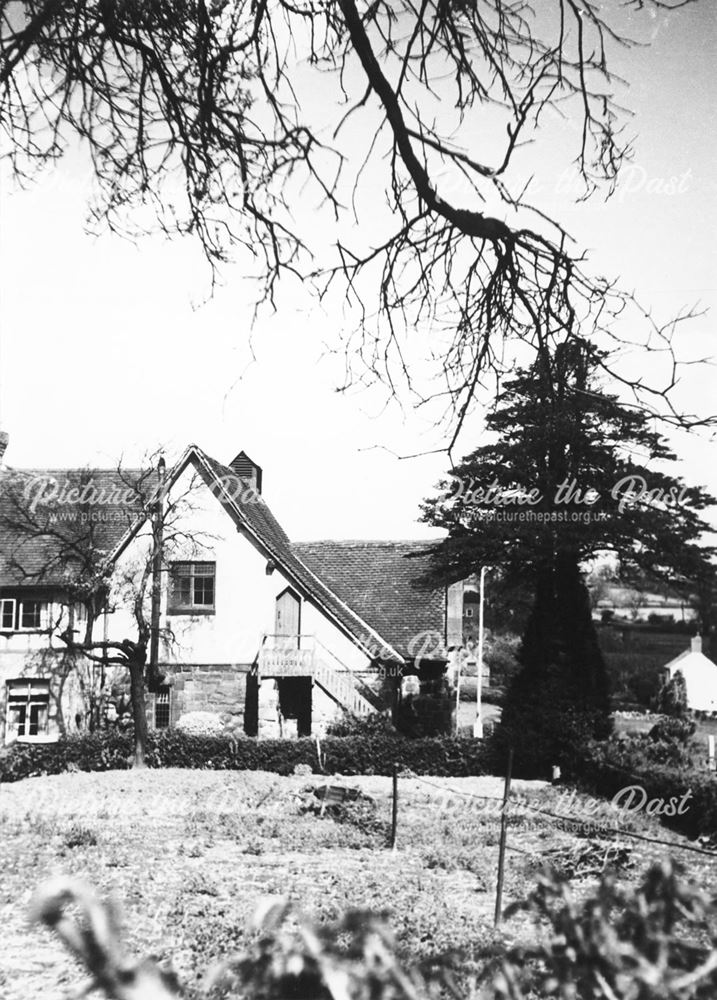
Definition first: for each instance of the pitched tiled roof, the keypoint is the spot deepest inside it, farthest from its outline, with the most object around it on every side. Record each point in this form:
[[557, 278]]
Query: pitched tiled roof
[[381, 582], [49, 517], [370, 589], [252, 511]]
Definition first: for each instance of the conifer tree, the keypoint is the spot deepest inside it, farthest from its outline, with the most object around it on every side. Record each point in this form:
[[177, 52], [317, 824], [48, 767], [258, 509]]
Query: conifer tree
[[571, 472]]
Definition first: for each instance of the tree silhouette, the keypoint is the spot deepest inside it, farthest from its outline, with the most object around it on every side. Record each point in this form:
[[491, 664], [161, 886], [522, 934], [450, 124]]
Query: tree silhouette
[[202, 117], [572, 472]]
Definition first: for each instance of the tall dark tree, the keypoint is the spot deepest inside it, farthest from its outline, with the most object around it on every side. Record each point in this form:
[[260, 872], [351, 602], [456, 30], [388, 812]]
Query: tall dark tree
[[571, 472]]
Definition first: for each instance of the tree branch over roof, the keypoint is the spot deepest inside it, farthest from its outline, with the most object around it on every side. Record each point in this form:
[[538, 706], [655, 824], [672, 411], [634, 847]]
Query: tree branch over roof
[[201, 118]]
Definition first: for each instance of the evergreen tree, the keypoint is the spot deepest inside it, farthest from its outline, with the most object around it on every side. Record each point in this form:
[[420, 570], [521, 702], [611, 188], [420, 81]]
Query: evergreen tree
[[672, 699], [571, 472]]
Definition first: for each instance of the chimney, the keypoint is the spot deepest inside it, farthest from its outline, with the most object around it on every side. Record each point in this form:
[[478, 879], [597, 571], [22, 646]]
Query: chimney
[[696, 644], [247, 470], [4, 438]]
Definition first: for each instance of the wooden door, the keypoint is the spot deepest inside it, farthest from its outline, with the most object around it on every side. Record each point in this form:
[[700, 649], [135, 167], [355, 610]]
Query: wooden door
[[287, 621]]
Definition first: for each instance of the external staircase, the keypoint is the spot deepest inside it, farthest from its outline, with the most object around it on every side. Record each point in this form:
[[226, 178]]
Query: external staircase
[[306, 656]]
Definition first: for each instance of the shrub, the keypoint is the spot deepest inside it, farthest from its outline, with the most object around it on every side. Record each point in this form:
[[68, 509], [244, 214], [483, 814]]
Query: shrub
[[621, 943], [673, 730], [663, 770], [201, 724], [672, 698], [376, 724], [501, 658], [109, 750], [349, 755], [425, 715]]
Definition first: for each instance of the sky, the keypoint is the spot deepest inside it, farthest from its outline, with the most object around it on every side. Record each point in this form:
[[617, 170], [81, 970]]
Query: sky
[[109, 349]]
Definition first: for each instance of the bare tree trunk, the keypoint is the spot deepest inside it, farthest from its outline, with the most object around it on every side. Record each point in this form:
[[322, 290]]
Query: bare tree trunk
[[139, 715]]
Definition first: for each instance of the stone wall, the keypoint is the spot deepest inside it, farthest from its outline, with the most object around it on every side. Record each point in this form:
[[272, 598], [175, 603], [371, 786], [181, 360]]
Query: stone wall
[[218, 688]]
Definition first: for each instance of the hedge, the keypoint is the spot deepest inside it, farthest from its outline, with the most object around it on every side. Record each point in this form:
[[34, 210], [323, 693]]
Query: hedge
[[605, 769], [349, 755]]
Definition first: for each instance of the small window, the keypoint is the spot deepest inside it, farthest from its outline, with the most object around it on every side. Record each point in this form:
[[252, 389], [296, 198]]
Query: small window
[[162, 703], [192, 587], [23, 615], [8, 610], [30, 616], [28, 704]]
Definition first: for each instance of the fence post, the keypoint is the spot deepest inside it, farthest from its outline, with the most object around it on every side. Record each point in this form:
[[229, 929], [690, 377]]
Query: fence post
[[711, 752], [503, 839], [394, 809]]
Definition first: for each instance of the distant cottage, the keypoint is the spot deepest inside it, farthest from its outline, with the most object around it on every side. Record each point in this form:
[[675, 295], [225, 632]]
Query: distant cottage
[[265, 636], [700, 675]]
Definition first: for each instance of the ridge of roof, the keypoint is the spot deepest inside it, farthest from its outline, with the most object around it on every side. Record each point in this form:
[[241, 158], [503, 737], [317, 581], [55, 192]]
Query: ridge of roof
[[688, 654], [270, 533], [366, 542]]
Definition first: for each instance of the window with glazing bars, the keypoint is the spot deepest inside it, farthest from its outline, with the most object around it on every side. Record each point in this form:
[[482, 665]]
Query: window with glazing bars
[[192, 586], [161, 707]]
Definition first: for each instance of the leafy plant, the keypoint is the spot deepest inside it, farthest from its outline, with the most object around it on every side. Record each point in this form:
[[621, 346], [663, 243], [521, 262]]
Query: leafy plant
[[656, 942]]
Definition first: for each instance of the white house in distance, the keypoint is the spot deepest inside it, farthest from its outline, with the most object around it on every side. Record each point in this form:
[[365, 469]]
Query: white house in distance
[[700, 675], [270, 637]]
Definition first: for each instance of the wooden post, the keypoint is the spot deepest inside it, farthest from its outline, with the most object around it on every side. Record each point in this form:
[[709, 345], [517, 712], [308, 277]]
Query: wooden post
[[394, 810], [503, 838], [711, 752]]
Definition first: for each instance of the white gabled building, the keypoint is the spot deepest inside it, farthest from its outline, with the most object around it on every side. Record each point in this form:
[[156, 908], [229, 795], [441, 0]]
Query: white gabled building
[[270, 637], [700, 675]]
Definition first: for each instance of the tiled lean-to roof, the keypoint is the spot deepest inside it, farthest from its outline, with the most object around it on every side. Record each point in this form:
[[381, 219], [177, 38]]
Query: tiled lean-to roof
[[380, 580]]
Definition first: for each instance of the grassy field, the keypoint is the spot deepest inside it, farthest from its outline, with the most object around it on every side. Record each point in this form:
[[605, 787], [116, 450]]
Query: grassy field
[[189, 854]]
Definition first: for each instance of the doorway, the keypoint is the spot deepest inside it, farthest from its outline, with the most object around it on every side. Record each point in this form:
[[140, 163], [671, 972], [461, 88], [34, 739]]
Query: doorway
[[287, 619]]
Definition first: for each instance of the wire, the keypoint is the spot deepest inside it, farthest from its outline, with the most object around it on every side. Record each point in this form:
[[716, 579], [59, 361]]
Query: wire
[[601, 830]]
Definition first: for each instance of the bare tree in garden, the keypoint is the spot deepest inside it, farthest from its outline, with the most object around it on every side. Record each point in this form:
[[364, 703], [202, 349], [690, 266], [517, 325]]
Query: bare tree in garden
[[202, 117], [74, 553]]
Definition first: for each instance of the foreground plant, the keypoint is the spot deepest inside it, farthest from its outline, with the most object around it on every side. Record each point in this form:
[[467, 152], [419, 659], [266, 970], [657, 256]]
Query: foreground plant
[[656, 942], [95, 940]]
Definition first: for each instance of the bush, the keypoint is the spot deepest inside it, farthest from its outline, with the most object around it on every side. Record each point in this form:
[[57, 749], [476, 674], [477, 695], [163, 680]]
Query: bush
[[425, 715], [201, 724], [110, 750], [349, 755], [665, 772], [672, 699], [621, 943], [376, 724], [673, 730]]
